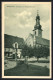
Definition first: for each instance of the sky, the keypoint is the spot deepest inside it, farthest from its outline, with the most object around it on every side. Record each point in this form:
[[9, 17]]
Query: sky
[[19, 19]]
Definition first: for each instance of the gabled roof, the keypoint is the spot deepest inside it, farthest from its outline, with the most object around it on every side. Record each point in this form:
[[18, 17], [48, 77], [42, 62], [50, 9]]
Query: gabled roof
[[9, 40], [41, 41], [31, 35]]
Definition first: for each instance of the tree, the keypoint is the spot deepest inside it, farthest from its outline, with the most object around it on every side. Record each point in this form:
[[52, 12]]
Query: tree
[[41, 52], [46, 52], [27, 51], [38, 52]]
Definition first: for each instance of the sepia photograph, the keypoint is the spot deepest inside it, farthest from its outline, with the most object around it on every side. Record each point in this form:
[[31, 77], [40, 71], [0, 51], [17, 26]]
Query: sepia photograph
[[26, 40]]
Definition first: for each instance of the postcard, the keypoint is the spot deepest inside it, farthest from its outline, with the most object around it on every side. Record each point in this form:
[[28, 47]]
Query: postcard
[[26, 40]]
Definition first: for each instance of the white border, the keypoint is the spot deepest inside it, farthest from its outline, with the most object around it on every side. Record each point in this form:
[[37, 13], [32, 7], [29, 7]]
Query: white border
[[3, 41]]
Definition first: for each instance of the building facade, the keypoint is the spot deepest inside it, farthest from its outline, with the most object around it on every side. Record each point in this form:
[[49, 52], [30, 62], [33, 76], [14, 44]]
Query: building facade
[[36, 39], [9, 48]]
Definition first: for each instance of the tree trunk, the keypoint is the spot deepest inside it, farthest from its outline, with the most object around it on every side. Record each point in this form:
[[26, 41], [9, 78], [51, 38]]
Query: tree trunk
[[37, 59], [46, 57]]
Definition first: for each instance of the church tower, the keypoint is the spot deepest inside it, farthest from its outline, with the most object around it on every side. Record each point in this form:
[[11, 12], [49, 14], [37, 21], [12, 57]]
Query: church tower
[[37, 28]]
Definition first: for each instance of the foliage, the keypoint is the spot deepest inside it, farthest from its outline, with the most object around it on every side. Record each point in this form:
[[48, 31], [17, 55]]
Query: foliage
[[27, 51], [36, 51], [41, 52], [45, 51]]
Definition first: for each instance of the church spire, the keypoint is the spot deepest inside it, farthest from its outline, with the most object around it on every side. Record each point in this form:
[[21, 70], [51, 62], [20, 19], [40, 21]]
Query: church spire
[[37, 17], [37, 13]]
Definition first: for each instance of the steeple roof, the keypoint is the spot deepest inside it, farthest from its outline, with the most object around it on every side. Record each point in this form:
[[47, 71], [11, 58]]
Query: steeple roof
[[37, 25], [37, 17]]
